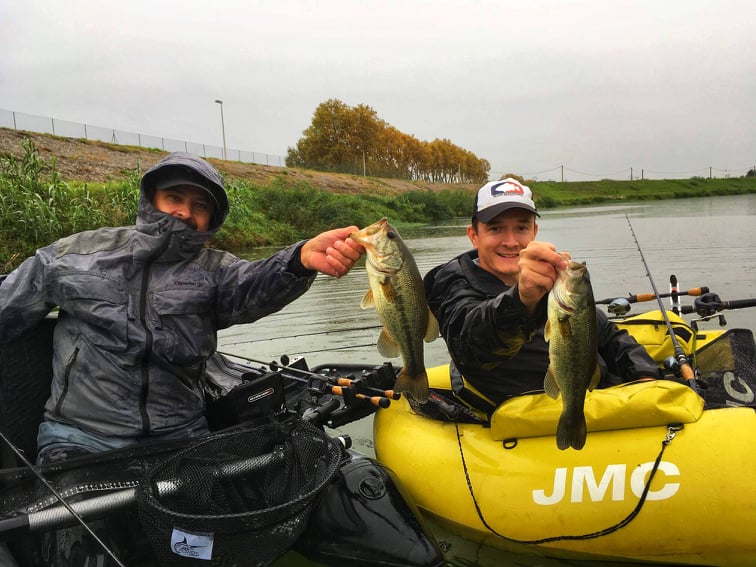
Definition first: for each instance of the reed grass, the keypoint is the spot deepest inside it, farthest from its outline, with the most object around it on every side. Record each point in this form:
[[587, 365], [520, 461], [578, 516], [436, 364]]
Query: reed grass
[[38, 207]]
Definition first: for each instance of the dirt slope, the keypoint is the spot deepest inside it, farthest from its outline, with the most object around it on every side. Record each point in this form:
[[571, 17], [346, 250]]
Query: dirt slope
[[82, 160]]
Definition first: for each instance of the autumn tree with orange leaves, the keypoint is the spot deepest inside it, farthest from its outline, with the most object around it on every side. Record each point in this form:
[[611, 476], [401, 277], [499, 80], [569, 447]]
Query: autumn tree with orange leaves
[[355, 140]]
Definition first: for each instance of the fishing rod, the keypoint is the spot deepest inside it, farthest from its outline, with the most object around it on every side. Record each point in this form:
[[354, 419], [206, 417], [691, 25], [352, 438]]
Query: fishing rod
[[711, 304], [637, 298], [686, 370], [60, 498], [63, 515], [347, 388]]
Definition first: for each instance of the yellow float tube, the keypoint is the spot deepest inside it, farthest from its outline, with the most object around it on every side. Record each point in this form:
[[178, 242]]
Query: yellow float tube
[[659, 480]]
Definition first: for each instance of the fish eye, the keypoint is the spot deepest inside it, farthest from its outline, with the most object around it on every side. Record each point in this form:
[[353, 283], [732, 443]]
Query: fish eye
[[391, 234]]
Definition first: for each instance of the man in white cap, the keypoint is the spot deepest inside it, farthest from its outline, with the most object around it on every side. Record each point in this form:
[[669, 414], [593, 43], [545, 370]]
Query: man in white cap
[[490, 303]]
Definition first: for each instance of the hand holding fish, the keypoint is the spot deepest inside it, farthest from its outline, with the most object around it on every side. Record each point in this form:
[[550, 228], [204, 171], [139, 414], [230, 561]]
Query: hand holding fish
[[397, 294], [572, 333], [332, 253], [539, 266]]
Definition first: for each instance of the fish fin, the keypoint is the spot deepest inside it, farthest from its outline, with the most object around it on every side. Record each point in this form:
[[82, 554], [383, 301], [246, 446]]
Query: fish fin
[[546, 330], [571, 432], [367, 300], [595, 379], [414, 386], [550, 385], [387, 345], [431, 330]]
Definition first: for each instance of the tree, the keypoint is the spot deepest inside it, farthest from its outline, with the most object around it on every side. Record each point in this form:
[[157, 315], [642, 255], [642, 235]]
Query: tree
[[355, 140], [338, 139]]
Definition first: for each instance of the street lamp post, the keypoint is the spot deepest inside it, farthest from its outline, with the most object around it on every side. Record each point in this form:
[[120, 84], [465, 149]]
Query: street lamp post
[[223, 127]]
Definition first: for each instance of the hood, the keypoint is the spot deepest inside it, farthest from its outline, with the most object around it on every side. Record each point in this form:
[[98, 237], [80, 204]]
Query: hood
[[184, 166]]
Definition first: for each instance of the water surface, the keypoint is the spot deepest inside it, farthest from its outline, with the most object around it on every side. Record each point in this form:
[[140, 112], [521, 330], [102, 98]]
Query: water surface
[[704, 242]]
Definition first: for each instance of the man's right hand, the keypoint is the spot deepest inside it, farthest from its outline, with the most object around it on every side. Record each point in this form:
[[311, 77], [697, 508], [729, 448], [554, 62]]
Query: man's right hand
[[539, 263]]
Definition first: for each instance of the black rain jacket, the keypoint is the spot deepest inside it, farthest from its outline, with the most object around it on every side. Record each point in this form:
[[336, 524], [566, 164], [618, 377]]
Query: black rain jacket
[[498, 347]]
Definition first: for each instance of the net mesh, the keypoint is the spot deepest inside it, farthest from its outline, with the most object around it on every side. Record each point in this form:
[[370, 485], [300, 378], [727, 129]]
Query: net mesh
[[239, 498], [727, 369]]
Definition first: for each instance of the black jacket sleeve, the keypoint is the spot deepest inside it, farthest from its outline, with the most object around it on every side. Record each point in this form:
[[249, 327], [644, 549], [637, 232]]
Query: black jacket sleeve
[[623, 355]]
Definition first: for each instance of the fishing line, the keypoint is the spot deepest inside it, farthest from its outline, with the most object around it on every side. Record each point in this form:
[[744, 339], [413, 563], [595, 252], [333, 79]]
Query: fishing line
[[305, 335], [336, 348], [329, 349], [672, 430], [62, 500]]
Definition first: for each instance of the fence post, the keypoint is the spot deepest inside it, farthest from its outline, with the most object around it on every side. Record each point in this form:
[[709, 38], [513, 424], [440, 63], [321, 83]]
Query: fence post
[[14, 120], [85, 132], [52, 120]]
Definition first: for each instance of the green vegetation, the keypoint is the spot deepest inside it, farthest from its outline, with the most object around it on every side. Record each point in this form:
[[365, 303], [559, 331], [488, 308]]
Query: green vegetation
[[555, 194], [37, 207]]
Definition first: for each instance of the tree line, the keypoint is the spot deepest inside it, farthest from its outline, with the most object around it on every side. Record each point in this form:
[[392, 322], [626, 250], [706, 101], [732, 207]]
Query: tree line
[[355, 140]]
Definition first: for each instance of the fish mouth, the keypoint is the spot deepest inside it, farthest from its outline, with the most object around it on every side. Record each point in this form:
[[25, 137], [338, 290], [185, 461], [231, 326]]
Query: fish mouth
[[364, 236]]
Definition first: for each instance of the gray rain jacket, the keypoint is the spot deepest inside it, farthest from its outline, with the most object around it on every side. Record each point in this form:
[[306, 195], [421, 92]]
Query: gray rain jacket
[[139, 311]]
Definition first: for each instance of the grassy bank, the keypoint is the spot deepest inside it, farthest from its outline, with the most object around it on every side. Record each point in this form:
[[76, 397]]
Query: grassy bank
[[38, 207], [555, 194]]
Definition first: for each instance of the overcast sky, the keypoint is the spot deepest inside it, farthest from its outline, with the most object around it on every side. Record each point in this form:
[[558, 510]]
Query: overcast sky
[[599, 86]]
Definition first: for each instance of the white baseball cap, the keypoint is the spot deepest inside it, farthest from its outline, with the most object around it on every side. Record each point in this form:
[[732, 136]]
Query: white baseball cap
[[495, 197]]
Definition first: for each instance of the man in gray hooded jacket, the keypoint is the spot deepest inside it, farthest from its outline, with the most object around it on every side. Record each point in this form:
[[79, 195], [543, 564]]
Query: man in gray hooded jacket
[[140, 307]]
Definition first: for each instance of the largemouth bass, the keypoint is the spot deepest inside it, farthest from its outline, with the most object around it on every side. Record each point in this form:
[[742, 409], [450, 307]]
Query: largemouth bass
[[397, 293], [573, 346]]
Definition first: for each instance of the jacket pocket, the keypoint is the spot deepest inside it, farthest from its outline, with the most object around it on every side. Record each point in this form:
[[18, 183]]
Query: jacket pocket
[[100, 306], [184, 331]]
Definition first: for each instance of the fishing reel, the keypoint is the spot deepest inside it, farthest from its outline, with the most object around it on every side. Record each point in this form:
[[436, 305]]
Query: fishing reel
[[707, 306], [671, 364], [674, 367], [619, 307]]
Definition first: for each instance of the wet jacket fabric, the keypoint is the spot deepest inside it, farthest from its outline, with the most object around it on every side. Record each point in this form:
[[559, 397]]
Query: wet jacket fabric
[[498, 347], [139, 310]]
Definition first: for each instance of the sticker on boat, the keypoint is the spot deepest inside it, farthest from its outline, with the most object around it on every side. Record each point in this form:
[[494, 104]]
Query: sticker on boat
[[584, 480], [195, 546]]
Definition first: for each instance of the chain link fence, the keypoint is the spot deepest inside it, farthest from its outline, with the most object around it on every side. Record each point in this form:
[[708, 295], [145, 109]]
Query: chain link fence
[[68, 129]]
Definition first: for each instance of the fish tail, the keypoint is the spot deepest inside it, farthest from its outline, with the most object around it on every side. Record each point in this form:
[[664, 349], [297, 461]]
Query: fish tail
[[415, 386], [571, 432]]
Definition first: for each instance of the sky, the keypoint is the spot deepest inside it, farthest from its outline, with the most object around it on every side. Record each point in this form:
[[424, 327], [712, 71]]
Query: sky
[[548, 89]]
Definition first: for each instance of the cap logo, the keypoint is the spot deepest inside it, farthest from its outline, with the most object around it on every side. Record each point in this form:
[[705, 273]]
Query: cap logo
[[511, 187], [498, 196]]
